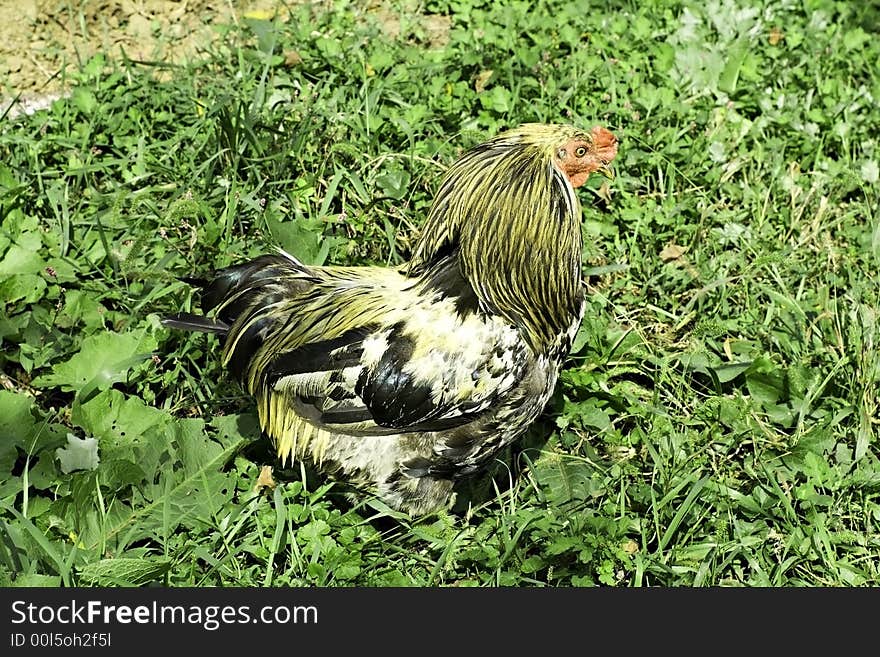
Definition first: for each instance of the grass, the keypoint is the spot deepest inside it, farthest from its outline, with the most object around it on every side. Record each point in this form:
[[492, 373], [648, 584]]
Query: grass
[[716, 423]]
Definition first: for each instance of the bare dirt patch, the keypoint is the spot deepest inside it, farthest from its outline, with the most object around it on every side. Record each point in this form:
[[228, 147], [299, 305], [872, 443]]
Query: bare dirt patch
[[40, 40]]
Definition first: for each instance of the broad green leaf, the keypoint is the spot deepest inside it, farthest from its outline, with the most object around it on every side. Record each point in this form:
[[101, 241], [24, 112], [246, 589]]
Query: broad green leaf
[[43, 474], [730, 74], [767, 389], [128, 430], [122, 472], [131, 572], [194, 448], [80, 307], [729, 371], [28, 288], [117, 418], [565, 479], [10, 486], [588, 413], [232, 428], [37, 580], [498, 98], [50, 549], [19, 430], [22, 259], [102, 360], [189, 495], [84, 100], [16, 421], [301, 238], [394, 183]]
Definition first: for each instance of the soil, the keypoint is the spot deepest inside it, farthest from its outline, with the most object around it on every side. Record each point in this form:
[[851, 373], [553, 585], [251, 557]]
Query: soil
[[40, 40]]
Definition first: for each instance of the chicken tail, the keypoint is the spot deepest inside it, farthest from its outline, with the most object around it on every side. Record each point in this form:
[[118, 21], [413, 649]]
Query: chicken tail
[[248, 292], [190, 322]]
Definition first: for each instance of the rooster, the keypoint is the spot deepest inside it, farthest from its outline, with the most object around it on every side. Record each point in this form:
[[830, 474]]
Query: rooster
[[400, 381]]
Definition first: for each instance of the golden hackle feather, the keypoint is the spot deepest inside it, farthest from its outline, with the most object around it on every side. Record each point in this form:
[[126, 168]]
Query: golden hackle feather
[[516, 220]]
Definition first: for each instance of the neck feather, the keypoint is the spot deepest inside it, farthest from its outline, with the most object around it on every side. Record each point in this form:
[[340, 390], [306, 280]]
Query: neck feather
[[512, 220]]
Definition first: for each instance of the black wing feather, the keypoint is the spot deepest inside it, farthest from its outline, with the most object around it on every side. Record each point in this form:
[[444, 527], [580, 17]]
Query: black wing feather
[[326, 355], [391, 394], [396, 400]]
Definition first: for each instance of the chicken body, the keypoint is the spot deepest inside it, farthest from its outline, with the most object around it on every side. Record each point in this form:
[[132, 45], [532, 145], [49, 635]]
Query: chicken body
[[400, 381]]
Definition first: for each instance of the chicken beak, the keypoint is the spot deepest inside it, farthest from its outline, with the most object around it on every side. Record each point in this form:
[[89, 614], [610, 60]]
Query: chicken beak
[[607, 171]]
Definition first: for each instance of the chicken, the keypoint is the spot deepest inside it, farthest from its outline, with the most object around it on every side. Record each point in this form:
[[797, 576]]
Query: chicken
[[400, 381]]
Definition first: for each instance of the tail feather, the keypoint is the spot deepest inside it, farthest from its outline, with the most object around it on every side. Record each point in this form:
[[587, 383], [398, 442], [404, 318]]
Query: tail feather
[[195, 281], [247, 290], [235, 281], [190, 322]]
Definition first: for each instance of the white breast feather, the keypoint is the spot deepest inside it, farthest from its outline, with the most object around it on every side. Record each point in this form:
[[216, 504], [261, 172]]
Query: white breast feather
[[374, 348]]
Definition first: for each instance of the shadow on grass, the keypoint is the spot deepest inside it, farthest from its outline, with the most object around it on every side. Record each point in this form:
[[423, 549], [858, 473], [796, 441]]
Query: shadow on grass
[[503, 473]]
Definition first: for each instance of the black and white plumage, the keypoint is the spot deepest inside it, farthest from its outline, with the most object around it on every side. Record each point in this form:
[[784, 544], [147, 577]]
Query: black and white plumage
[[401, 381]]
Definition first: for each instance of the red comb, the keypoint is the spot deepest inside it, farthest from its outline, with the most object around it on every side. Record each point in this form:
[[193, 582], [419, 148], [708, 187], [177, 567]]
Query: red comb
[[604, 140]]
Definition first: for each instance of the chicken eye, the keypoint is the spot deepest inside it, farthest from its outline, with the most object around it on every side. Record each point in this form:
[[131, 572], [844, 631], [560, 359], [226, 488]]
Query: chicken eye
[[580, 151]]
